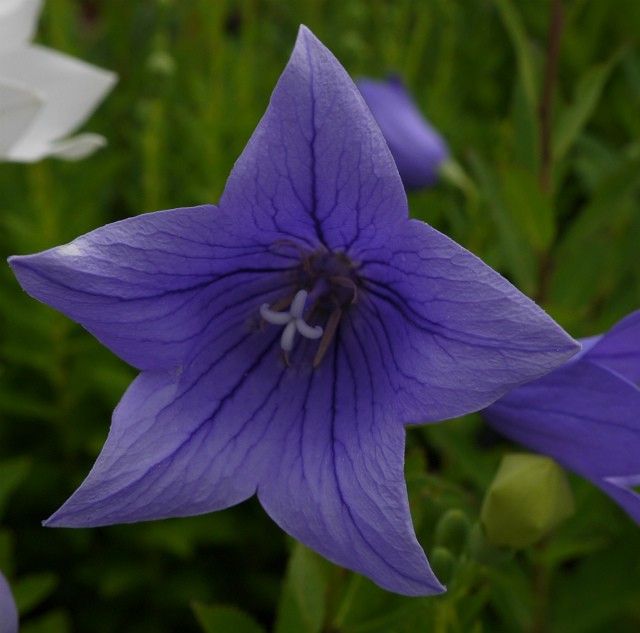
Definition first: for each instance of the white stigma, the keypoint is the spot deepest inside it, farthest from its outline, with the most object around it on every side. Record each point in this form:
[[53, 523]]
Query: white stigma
[[293, 321]]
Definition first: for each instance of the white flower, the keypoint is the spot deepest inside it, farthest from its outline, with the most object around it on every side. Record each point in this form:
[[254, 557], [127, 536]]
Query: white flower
[[44, 95]]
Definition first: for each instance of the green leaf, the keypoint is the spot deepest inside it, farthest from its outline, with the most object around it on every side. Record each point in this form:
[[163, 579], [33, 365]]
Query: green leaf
[[54, 622], [518, 257], [523, 50], [523, 131], [31, 591], [631, 66], [593, 160], [6, 549], [614, 597], [529, 207], [12, 474], [524, 117], [366, 608], [587, 268], [224, 619], [455, 440], [603, 209], [573, 118], [511, 596], [303, 599]]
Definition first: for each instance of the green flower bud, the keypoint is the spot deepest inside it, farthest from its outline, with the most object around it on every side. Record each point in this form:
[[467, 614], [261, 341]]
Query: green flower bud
[[452, 530], [443, 564], [528, 497]]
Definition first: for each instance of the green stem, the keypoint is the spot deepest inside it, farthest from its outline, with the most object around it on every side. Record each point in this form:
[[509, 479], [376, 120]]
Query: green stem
[[545, 109], [545, 114]]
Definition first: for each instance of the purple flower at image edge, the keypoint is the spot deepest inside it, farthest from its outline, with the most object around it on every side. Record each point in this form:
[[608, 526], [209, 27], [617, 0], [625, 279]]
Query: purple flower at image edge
[[286, 336], [416, 146], [586, 415], [8, 609]]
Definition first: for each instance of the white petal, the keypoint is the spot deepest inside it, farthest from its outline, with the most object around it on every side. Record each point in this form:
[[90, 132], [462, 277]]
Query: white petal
[[78, 147], [18, 108], [18, 21], [71, 90]]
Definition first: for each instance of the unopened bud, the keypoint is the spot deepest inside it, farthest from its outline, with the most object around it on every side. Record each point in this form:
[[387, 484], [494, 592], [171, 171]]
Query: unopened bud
[[452, 530], [529, 496], [443, 564]]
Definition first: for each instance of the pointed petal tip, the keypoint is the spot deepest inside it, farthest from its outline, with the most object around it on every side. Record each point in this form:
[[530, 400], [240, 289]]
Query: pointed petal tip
[[52, 522], [111, 77], [430, 586], [20, 267], [433, 587], [105, 77], [437, 590], [77, 147], [17, 264], [80, 517], [421, 584], [305, 31], [57, 521], [308, 38]]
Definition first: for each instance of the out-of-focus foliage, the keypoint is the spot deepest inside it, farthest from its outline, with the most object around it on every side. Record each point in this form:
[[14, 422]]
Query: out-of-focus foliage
[[194, 79]]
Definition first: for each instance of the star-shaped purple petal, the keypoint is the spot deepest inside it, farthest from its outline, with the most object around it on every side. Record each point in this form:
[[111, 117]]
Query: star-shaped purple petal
[[389, 322], [586, 414]]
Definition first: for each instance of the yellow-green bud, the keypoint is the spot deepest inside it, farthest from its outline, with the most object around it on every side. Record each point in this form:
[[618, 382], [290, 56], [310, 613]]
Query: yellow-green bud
[[528, 497]]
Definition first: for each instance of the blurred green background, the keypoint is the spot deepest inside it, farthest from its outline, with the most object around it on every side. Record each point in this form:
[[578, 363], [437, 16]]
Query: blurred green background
[[195, 76]]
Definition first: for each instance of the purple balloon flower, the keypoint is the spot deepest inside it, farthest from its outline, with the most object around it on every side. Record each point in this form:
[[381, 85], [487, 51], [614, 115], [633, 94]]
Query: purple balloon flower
[[416, 146], [586, 414], [8, 610], [285, 336]]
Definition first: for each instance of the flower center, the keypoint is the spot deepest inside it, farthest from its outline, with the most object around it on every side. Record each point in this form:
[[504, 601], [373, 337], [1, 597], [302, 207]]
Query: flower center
[[293, 321], [325, 286]]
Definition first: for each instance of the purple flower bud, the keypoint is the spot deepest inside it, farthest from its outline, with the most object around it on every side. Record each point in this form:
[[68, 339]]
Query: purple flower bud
[[416, 146]]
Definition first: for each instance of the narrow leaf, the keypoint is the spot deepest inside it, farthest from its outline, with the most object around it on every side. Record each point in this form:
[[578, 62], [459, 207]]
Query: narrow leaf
[[529, 207], [519, 260], [32, 590], [573, 118], [12, 474], [522, 48], [302, 603], [224, 619]]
